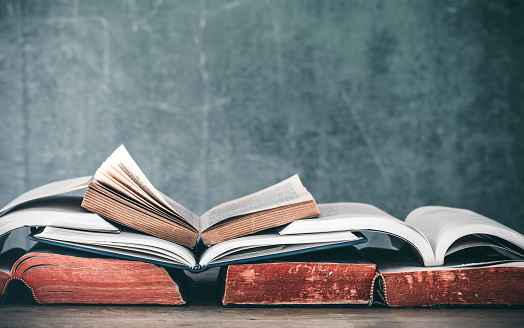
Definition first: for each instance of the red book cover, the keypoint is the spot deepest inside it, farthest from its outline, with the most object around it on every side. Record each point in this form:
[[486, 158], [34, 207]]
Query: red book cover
[[494, 285], [474, 276], [57, 278], [298, 283]]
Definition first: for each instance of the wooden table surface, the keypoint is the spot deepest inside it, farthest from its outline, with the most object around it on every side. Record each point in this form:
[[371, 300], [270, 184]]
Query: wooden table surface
[[205, 310]]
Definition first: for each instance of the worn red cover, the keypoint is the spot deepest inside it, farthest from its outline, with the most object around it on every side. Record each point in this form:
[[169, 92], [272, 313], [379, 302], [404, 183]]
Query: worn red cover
[[494, 285], [293, 283], [57, 278]]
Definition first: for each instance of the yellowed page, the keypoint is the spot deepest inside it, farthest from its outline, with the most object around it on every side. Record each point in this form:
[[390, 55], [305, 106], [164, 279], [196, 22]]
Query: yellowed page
[[289, 191], [121, 167]]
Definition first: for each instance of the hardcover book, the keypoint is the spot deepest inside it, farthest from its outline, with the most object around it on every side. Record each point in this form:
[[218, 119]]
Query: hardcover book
[[57, 275], [334, 277], [469, 277], [438, 255]]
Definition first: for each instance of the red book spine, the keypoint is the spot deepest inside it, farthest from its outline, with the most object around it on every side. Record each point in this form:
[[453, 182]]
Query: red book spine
[[297, 283], [467, 286]]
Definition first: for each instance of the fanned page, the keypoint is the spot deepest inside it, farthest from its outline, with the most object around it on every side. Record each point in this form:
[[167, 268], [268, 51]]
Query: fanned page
[[359, 217], [121, 173], [121, 192], [443, 226], [289, 191]]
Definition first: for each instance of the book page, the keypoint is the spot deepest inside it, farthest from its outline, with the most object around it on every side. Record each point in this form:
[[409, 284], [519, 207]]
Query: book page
[[255, 253], [444, 225], [130, 180], [271, 240], [483, 241], [56, 211], [287, 192], [121, 164], [114, 180], [391, 261], [338, 217], [184, 212], [50, 189], [362, 217], [125, 243]]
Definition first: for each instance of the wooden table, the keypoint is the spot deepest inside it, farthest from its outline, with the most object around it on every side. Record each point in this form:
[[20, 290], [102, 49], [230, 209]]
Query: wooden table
[[205, 310]]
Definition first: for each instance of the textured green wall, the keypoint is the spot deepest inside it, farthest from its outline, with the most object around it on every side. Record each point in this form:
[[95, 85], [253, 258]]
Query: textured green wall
[[395, 103]]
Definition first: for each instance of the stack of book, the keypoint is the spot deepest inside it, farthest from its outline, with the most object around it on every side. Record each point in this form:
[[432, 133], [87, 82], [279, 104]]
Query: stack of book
[[125, 242]]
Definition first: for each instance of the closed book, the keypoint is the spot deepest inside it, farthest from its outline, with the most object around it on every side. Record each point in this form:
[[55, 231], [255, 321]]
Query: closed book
[[332, 277], [60, 276], [466, 279]]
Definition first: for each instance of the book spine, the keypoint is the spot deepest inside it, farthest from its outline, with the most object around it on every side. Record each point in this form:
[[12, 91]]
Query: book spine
[[372, 289], [297, 283], [469, 286]]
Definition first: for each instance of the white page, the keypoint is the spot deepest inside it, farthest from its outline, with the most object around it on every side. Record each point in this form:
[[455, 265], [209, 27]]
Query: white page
[[478, 258], [399, 267], [359, 217], [125, 243], [271, 239], [137, 253], [337, 217], [444, 225], [252, 252], [286, 192], [57, 211], [152, 248], [478, 241], [50, 189]]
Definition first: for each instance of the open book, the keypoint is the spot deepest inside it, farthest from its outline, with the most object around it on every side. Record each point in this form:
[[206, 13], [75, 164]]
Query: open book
[[66, 223], [55, 211], [120, 192], [137, 246], [434, 232]]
